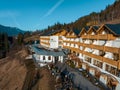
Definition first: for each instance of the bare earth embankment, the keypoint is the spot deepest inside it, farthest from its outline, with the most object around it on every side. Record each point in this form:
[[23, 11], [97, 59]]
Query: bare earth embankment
[[12, 71], [16, 73], [46, 80]]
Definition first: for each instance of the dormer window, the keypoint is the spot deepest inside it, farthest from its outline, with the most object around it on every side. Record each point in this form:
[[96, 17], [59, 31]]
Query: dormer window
[[73, 34], [92, 33], [103, 32]]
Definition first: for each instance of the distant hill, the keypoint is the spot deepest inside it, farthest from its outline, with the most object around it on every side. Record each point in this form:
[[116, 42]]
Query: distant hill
[[11, 31], [110, 15]]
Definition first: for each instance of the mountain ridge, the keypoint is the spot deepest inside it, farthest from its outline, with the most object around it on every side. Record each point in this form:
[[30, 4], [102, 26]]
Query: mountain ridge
[[11, 31]]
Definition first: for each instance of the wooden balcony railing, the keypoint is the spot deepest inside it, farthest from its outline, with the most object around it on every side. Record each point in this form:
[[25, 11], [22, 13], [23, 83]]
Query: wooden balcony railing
[[86, 45], [102, 59], [111, 37], [43, 38], [80, 44], [103, 36], [93, 36], [118, 64], [110, 61], [98, 47], [85, 36], [93, 55], [111, 49], [71, 36], [99, 36], [47, 43], [72, 42]]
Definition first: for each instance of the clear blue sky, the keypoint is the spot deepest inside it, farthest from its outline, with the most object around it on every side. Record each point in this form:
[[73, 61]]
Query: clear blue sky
[[38, 14]]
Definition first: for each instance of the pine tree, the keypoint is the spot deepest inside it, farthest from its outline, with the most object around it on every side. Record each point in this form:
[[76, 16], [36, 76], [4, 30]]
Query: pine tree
[[20, 38]]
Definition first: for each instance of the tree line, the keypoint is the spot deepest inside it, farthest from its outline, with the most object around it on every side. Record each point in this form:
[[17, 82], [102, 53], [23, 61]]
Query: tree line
[[6, 42], [110, 13]]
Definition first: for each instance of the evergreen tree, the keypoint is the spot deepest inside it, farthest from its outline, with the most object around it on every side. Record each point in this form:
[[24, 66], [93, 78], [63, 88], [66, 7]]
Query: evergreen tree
[[6, 42], [20, 38]]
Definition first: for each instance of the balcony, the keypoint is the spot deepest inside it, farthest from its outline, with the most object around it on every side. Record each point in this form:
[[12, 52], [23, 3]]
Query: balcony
[[111, 49], [97, 47], [93, 55], [85, 36], [86, 45], [47, 43], [106, 37], [71, 36], [102, 59], [80, 44], [110, 61], [99, 36], [93, 36], [72, 42], [43, 38], [118, 64], [103, 36]]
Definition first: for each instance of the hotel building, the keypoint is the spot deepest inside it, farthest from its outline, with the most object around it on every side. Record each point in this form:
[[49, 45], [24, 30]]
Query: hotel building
[[97, 49]]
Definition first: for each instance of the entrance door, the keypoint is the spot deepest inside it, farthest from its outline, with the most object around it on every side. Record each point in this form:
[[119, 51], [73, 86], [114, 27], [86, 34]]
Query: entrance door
[[56, 59]]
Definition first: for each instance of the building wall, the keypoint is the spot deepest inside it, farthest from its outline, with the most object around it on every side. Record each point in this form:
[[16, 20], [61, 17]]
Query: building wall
[[54, 41], [103, 49]]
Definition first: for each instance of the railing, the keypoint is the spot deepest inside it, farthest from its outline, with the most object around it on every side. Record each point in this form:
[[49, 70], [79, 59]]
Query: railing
[[111, 49], [118, 64], [93, 36], [72, 42], [98, 47], [85, 36], [71, 36], [43, 38], [102, 59], [45, 43], [93, 55], [110, 61], [103, 36], [99, 36]]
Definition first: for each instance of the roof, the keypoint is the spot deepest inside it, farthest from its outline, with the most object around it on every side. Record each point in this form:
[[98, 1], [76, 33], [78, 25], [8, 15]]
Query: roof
[[114, 27], [87, 28], [96, 27], [76, 31], [50, 32], [42, 51]]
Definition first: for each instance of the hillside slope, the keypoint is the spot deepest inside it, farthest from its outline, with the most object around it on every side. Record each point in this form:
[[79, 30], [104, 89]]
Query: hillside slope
[[11, 31], [13, 71]]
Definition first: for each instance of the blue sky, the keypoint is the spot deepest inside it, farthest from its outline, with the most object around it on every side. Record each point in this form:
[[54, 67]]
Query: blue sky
[[38, 14]]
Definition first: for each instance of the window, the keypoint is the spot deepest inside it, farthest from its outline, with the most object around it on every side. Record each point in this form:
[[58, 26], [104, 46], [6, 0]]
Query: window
[[43, 57], [88, 59], [77, 54], [112, 70], [98, 64], [49, 58]]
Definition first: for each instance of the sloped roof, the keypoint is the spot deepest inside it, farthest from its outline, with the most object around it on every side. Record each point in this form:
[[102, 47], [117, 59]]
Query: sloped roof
[[87, 28], [76, 31], [50, 32], [96, 27], [42, 51], [114, 27]]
